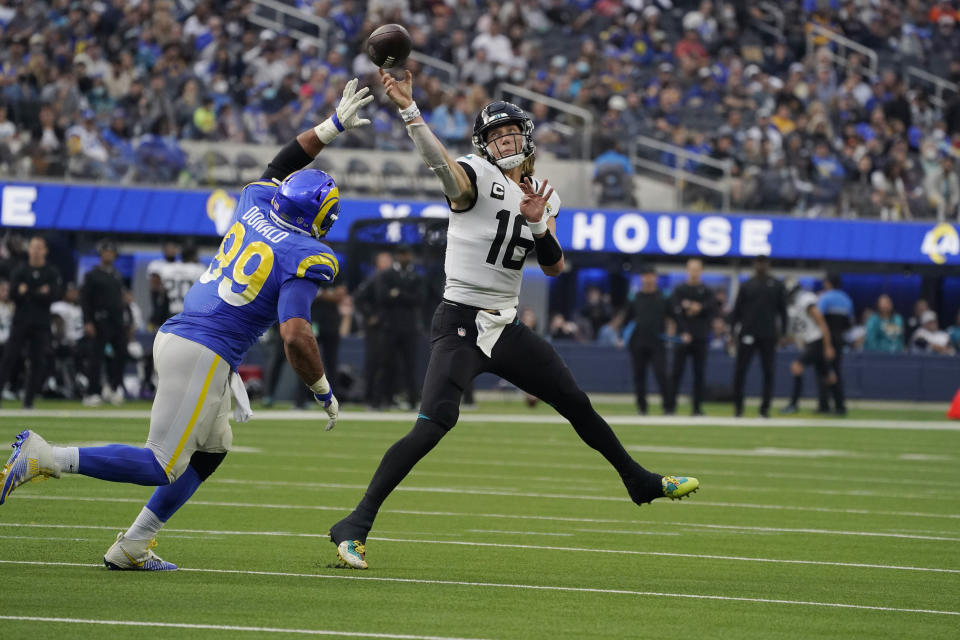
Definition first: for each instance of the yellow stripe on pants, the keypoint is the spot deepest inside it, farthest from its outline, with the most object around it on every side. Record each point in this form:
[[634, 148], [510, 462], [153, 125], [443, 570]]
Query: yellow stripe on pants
[[196, 414]]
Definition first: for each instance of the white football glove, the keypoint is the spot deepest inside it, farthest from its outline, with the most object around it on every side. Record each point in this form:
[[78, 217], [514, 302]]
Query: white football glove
[[329, 403], [346, 115]]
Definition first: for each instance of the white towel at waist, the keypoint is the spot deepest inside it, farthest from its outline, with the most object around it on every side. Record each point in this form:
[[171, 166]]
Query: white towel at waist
[[241, 405], [490, 326]]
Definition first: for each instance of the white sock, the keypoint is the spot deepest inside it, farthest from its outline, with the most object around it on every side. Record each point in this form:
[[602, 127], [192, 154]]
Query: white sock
[[68, 458], [145, 527]]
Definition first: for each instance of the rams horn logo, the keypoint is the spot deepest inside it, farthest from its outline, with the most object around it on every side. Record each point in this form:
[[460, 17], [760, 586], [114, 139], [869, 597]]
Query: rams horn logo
[[940, 242]]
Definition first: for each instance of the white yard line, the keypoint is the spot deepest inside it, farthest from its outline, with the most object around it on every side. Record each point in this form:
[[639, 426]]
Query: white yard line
[[891, 423], [631, 552], [534, 587], [223, 627], [687, 503]]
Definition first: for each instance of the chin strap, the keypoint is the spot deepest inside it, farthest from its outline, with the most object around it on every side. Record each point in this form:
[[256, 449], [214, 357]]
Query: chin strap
[[511, 162]]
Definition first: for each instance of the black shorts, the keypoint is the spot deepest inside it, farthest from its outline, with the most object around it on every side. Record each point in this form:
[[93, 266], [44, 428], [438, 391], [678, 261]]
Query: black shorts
[[813, 357], [520, 357]]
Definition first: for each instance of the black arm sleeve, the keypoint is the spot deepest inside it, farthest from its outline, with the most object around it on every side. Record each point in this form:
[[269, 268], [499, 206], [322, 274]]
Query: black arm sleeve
[[289, 159], [473, 180], [548, 249]]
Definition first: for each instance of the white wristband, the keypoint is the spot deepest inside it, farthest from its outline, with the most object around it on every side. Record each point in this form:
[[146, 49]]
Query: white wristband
[[326, 131], [539, 227], [411, 113], [321, 386]]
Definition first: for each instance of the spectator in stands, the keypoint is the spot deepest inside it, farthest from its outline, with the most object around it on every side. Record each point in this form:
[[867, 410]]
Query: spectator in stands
[[610, 334], [596, 311], [942, 187], [9, 144], [89, 157], [33, 287], [884, 329], [47, 140], [915, 321], [562, 329], [857, 334], [103, 323], [954, 333], [929, 338]]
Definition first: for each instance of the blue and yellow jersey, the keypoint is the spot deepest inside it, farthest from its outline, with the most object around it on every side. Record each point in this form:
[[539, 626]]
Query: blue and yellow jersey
[[261, 274]]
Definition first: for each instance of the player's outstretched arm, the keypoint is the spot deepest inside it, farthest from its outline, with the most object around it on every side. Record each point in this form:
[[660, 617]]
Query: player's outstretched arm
[[454, 181], [304, 357], [300, 152]]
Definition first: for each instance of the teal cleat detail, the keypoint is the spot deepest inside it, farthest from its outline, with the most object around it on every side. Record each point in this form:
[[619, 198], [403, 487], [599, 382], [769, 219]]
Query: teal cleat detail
[[676, 487], [351, 554]]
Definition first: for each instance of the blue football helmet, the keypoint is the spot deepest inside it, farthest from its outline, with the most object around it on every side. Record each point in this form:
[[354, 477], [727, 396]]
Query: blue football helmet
[[307, 201]]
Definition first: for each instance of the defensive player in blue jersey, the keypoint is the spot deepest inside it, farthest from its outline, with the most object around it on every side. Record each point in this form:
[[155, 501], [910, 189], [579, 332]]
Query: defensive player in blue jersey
[[268, 269]]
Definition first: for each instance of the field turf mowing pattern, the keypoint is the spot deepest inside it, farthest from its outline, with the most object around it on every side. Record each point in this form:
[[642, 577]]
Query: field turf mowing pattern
[[508, 530]]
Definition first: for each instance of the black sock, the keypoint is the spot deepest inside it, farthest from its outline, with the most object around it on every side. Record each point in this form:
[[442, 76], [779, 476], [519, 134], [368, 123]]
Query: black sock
[[595, 431], [394, 467], [797, 390]]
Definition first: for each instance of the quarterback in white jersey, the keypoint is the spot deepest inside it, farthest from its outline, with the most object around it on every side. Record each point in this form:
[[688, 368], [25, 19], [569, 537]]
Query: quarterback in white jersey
[[810, 327], [498, 214]]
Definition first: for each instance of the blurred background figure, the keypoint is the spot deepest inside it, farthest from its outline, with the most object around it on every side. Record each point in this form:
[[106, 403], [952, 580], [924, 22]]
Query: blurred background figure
[[400, 296], [837, 309], [33, 287], [103, 322], [68, 343], [368, 304], [884, 330], [759, 316], [692, 305], [648, 312]]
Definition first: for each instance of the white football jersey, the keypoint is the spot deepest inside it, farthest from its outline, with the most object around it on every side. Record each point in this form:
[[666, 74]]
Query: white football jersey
[[804, 326], [177, 278], [72, 316], [488, 243]]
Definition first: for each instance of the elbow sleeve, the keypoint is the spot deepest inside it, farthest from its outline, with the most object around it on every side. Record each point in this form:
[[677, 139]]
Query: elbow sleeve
[[432, 153]]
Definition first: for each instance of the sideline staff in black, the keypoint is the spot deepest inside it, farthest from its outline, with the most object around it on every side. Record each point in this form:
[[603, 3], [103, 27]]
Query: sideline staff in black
[[103, 305], [693, 306], [33, 287], [760, 302], [648, 310]]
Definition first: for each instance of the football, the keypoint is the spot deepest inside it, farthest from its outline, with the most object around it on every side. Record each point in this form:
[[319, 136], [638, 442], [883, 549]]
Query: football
[[388, 46]]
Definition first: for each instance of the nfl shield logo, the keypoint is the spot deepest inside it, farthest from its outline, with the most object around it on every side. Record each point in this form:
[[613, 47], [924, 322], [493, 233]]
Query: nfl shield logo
[[461, 332]]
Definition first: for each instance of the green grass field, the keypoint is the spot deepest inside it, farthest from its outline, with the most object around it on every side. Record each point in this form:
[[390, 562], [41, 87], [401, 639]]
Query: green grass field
[[511, 528]]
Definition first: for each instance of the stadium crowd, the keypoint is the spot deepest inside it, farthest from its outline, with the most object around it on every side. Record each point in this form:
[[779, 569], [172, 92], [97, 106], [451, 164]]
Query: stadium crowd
[[108, 90]]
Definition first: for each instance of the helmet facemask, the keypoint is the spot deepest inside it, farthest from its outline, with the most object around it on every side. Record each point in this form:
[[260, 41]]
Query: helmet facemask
[[497, 115]]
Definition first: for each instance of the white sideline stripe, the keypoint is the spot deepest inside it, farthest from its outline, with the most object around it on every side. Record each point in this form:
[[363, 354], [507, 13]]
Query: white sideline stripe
[[535, 587], [223, 627], [258, 505], [633, 552], [529, 533], [520, 418]]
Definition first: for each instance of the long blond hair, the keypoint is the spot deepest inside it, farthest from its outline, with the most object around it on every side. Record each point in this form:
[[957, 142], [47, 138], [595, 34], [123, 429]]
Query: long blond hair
[[527, 169]]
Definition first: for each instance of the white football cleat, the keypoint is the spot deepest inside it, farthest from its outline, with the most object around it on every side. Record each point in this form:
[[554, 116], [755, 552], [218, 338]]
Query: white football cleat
[[116, 397], [351, 553], [92, 400], [135, 555], [32, 459]]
